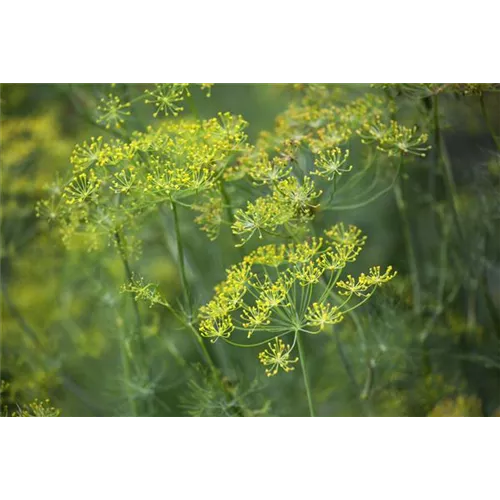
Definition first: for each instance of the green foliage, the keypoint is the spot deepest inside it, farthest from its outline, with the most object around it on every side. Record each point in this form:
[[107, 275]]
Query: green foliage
[[123, 205]]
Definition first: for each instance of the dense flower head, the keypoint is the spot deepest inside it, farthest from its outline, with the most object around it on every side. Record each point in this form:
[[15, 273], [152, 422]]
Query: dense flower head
[[291, 203], [117, 180]]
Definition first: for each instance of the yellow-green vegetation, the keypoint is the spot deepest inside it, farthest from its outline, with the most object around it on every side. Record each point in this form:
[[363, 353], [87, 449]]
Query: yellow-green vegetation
[[160, 242]]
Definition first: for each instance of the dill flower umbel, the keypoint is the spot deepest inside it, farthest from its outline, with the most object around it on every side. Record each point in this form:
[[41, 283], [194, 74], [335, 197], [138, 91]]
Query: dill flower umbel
[[285, 290], [322, 314], [332, 163], [277, 356], [217, 327], [394, 139], [166, 164], [112, 112], [82, 188], [166, 97], [350, 236]]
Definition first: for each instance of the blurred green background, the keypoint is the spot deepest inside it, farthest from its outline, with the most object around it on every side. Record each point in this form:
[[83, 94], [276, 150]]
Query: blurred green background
[[62, 311]]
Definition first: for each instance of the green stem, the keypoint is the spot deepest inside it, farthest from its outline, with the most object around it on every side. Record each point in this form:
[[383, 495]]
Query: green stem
[[230, 216], [305, 374], [126, 374], [495, 138], [180, 258], [437, 142], [346, 363], [138, 330], [412, 259], [206, 354], [129, 275], [447, 171]]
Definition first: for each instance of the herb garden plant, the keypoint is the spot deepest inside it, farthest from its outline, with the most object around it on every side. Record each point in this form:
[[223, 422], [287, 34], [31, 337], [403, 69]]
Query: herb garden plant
[[333, 263]]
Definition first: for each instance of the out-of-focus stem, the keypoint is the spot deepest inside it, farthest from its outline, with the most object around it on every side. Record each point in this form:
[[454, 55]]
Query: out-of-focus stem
[[491, 130], [230, 216], [437, 143], [138, 331], [128, 273], [126, 375], [412, 259], [447, 171]]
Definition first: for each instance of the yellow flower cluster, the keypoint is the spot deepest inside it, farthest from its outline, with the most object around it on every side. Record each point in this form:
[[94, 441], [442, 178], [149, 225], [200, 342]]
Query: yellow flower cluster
[[290, 203], [394, 139], [322, 314], [365, 282], [277, 356], [38, 409], [283, 289], [332, 163], [112, 111], [167, 97], [173, 161]]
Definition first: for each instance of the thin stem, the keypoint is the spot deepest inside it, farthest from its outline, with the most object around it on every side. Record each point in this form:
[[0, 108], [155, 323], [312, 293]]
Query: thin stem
[[230, 216], [437, 142], [180, 258], [346, 363], [206, 354], [412, 259], [129, 275], [126, 374], [305, 374], [491, 130], [447, 171], [138, 329]]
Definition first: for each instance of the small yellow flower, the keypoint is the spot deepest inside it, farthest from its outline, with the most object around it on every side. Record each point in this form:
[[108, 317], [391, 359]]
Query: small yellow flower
[[308, 274], [38, 409], [277, 356], [255, 316], [331, 261], [217, 327], [375, 278], [82, 188], [269, 255], [351, 286], [350, 236], [112, 111], [207, 87], [304, 251], [167, 97], [332, 163], [322, 314]]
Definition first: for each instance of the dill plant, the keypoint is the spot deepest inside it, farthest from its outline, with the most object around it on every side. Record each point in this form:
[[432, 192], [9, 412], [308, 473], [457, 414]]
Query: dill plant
[[172, 165], [277, 211]]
